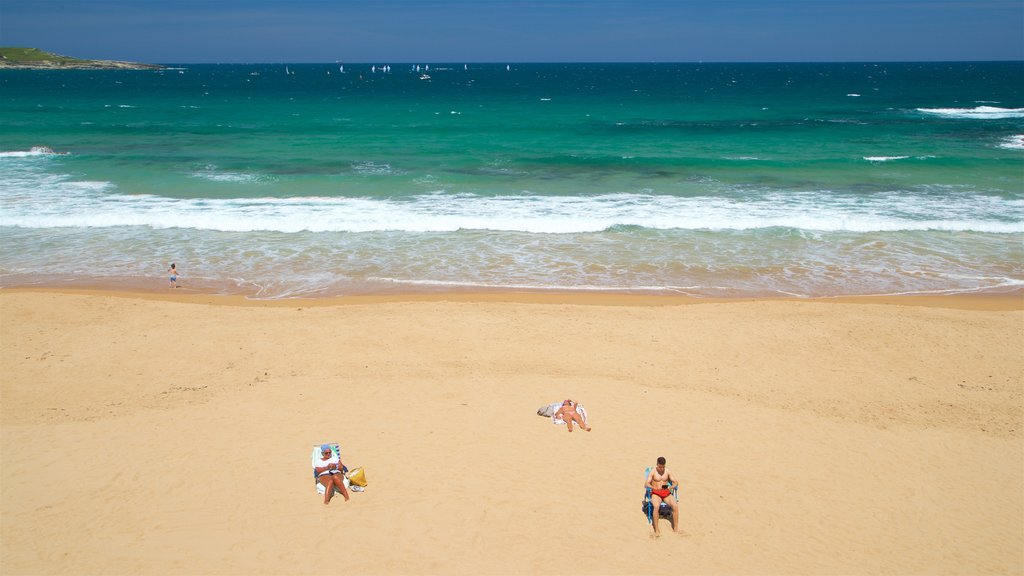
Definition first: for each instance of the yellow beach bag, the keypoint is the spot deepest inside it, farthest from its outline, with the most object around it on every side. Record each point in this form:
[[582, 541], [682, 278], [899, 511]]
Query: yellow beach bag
[[356, 476]]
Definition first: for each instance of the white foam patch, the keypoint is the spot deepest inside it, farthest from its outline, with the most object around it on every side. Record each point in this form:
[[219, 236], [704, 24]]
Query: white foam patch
[[372, 169], [1013, 142], [884, 158], [977, 113], [34, 151], [212, 174]]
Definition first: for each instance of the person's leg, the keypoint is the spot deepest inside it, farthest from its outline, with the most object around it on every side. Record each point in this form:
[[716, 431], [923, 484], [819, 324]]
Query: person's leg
[[579, 420], [655, 511], [328, 485], [675, 511], [339, 485]]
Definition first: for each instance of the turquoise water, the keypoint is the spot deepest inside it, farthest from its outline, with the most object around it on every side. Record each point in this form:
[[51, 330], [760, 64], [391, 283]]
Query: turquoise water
[[707, 179]]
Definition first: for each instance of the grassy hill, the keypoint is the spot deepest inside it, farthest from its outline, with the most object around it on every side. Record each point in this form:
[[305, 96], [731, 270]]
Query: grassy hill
[[16, 57]]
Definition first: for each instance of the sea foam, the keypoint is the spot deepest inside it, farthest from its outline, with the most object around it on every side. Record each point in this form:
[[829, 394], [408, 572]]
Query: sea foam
[[884, 158], [34, 151], [977, 113], [81, 204], [212, 174], [1013, 142]]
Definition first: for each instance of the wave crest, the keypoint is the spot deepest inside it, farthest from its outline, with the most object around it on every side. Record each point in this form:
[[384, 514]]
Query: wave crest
[[977, 113], [73, 205], [34, 151]]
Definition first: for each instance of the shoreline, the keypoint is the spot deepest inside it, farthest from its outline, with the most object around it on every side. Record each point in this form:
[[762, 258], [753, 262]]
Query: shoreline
[[990, 301]]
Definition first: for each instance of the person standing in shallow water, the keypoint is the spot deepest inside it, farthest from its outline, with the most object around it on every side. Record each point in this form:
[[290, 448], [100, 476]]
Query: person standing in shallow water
[[173, 275]]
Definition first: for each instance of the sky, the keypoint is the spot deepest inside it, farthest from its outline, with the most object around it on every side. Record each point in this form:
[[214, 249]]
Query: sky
[[456, 31]]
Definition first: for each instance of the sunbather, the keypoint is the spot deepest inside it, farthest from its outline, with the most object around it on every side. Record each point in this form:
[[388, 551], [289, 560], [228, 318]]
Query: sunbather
[[329, 473], [660, 482], [567, 412]]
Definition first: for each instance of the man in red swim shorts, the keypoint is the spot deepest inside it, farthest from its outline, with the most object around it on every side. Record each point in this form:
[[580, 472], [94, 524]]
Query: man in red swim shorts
[[660, 482]]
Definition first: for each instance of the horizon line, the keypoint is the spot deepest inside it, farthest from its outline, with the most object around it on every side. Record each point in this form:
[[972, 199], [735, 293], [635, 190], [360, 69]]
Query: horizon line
[[511, 62]]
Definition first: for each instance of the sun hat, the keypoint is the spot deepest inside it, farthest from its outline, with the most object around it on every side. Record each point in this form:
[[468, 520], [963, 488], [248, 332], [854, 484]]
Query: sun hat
[[326, 448]]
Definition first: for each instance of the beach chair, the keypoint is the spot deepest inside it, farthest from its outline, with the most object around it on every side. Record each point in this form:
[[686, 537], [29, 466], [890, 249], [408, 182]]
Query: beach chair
[[664, 511], [315, 459]]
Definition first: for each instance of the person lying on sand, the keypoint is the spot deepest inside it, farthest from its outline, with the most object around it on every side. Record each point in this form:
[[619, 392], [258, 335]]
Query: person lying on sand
[[660, 481], [567, 412], [329, 473]]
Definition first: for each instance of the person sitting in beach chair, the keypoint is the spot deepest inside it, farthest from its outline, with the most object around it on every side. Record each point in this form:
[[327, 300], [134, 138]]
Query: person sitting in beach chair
[[660, 495], [329, 471], [568, 413]]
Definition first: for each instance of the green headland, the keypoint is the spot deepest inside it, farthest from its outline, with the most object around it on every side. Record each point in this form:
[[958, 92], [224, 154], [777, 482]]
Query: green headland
[[34, 58]]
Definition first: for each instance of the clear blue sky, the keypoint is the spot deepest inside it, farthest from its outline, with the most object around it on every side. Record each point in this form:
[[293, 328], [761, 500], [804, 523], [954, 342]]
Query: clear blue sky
[[385, 31]]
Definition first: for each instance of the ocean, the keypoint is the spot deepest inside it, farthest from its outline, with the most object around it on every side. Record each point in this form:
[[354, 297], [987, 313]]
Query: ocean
[[712, 180]]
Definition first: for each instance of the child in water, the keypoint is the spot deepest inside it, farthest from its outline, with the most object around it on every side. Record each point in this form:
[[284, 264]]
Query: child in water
[[173, 272]]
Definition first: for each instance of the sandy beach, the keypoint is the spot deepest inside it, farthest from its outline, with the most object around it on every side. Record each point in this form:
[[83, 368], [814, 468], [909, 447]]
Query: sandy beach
[[171, 434]]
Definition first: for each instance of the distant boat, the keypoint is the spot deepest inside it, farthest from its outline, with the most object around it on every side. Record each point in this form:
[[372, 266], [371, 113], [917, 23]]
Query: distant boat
[[286, 71], [464, 67], [424, 76], [341, 69], [507, 68]]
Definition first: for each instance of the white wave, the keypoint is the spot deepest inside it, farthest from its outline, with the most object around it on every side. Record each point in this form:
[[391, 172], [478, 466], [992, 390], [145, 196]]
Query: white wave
[[34, 151], [1013, 142], [75, 204], [852, 95], [884, 158], [977, 113]]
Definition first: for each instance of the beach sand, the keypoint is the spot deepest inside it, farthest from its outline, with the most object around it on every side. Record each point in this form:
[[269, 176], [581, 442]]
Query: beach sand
[[171, 434]]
